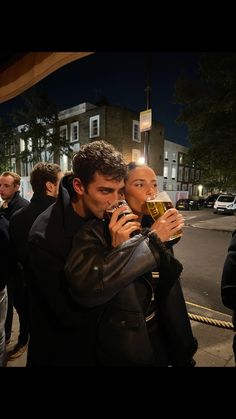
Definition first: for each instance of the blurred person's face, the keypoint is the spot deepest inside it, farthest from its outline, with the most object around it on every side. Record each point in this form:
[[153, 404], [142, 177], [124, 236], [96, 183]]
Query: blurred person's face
[[141, 183], [7, 187], [100, 193], [53, 189]]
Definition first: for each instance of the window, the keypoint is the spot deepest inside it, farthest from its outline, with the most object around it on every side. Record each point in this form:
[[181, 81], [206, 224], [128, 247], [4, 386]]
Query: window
[[136, 132], [173, 172], [192, 174], [94, 126], [165, 172], [181, 158], [186, 174], [64, 162], [29, 144], [166, 155], [180, 174], [74, 132], [22, 145], [13, 164], [63, 132], [136, 154], [174, 157], [197, 175]]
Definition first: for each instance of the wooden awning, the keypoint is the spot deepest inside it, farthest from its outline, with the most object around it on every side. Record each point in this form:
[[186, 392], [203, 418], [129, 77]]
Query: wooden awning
[[30, 68]]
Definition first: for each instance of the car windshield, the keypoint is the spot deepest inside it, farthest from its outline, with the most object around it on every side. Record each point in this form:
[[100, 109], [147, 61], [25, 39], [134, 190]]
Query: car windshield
[[226, 198]]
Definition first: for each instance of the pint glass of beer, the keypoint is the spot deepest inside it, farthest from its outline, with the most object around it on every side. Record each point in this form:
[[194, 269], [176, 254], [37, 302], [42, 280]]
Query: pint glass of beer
[[157, 205], [117, 204]]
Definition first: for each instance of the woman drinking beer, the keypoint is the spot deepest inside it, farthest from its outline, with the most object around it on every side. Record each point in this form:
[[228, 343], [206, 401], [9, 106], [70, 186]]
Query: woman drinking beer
[[172, 317]]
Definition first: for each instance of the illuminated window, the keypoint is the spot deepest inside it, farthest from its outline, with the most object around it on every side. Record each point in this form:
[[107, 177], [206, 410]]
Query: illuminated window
[[94, 126]]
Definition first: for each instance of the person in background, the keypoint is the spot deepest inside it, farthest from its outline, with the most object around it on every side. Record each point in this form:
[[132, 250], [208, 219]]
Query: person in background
[[228, 283], [44, 179], [10, 194], [12, 201], [109, 274], [5, 258]]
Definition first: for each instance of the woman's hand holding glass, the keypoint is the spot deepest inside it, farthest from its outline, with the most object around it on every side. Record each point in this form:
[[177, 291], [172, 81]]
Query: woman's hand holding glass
[[169, 225], [168, 221]]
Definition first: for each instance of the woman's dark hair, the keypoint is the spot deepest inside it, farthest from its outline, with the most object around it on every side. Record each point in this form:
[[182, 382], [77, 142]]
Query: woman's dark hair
[[133, 165], [98, 156]]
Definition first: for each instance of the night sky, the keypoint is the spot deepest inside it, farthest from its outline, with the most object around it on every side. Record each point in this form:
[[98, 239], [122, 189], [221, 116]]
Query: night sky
[[120, 77]]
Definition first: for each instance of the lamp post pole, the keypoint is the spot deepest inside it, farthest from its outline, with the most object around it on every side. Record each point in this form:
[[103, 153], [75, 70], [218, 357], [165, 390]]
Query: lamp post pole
[[148, 105]]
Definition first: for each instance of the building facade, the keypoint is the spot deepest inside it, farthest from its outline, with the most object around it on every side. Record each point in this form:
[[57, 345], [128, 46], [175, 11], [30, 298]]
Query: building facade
[[119, 126], [180, 179]]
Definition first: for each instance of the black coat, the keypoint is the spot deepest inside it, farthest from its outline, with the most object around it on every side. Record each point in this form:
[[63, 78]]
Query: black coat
[[55, 317], [14, 205], [4, 251], [21, 222], [228, 280], [119, 282]]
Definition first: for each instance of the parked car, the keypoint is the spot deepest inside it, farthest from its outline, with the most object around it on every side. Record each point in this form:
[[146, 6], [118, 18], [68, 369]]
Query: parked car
[[225, 203], [210, 200], [187, 204], [201, 202]]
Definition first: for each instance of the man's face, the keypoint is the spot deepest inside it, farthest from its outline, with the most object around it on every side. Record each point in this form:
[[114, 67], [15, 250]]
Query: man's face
[[7, 187], [101, 192]]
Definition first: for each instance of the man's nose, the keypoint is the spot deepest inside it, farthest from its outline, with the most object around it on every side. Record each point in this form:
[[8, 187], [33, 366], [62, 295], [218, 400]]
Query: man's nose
[[114, 197]]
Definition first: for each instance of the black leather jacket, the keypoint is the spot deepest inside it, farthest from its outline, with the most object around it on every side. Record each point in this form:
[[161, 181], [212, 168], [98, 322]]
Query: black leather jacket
[[228, 280], [118, 280]]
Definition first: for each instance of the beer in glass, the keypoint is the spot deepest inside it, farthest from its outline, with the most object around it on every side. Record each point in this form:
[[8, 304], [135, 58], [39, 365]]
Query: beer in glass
[[157, 205]]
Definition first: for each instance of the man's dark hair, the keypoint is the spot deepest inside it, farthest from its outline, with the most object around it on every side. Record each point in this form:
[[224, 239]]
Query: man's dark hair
[[43, 173], [98, 156]]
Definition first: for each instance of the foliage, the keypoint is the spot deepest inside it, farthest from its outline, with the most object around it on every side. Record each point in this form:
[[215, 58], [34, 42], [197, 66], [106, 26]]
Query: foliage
[[7, 141], [209, 111], [37, 124]]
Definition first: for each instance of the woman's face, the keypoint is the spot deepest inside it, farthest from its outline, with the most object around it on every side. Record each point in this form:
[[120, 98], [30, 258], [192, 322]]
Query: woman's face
[[141, 183]]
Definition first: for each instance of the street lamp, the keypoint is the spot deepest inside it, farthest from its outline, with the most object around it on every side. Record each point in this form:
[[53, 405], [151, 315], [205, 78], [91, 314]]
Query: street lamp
[[141, 160], [200, 188], [146, 116]]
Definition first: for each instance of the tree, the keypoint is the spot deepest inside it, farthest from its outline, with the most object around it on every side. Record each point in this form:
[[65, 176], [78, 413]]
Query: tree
[[7, 142], [37, 124], [209, 111]]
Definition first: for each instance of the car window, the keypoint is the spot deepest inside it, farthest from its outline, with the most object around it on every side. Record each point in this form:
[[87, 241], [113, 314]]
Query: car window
[[226, 198]]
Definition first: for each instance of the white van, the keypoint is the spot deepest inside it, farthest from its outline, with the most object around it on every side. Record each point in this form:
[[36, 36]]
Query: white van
[[225, 204]]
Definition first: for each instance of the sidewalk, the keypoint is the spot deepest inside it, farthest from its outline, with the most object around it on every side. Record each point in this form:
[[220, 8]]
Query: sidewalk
[[220, 223], [214, 343]]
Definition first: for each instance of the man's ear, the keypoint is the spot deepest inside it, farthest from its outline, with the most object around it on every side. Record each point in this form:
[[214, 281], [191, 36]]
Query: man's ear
[[78, 186], [49, 187]]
